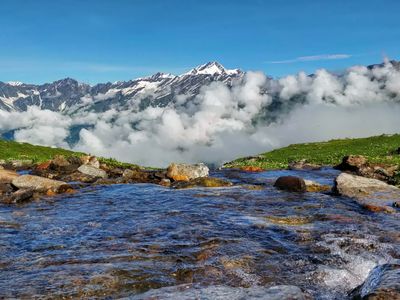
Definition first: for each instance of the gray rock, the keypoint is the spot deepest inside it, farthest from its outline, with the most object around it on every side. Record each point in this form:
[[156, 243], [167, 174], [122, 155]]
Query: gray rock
[[372, 194], [92, 171], [40, 184], [186, 172]]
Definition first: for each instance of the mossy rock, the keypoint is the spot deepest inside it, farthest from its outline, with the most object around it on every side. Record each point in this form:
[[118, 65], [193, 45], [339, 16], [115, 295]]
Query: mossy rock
[[208, 182]]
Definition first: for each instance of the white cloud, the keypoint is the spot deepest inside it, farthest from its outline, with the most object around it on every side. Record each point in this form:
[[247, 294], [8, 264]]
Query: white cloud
[[312, 58], [221, 123]]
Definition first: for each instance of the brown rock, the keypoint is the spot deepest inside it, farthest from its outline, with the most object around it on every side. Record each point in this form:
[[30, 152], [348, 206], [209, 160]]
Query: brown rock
[[7, 176], [136, 175], [5, 188], [291, 184], [60, 161], [352, 163], [18, 196], [40, 184], [44, 166], [90, 160]]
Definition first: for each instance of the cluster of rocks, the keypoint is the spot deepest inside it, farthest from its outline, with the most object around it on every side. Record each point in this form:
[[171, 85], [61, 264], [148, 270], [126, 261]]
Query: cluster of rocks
[[62, 174], [359, 165], [15, 188], [366, 183]]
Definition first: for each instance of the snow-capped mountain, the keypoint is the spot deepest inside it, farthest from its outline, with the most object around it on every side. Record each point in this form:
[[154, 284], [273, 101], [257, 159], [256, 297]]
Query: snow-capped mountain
[[68, 95]]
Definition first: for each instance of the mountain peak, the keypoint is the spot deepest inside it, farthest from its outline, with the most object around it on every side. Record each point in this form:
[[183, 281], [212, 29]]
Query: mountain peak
[[212, 68], [14, 83]]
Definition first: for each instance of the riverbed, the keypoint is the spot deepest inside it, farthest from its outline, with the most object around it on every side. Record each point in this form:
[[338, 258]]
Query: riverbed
[[143, 241]]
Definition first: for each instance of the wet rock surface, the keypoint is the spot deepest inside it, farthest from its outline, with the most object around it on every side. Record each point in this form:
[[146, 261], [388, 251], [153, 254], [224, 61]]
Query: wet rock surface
[[383, 282], [207, 182]]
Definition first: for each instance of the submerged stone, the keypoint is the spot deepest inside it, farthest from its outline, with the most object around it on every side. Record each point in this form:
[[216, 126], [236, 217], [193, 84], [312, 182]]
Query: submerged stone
[[208, 182], [289, 220], [315, 187]]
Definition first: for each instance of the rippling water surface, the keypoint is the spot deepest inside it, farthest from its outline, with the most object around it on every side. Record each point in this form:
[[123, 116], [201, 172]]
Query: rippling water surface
[[146, 241]]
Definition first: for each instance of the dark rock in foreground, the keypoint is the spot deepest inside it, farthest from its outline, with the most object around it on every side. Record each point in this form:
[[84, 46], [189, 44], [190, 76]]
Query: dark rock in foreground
[[291, 184]]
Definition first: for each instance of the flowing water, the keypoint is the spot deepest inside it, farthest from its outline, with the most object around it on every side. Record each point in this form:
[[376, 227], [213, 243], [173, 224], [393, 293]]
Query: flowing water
[[149, 242]]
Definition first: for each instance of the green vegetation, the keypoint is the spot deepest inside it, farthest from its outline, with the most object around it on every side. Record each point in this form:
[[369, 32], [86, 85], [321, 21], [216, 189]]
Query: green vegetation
[[11, 150], [377, 149]]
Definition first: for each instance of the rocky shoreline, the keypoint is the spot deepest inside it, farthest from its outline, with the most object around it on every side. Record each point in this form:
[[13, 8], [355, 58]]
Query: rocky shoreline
[[363, 182], [370, 185]]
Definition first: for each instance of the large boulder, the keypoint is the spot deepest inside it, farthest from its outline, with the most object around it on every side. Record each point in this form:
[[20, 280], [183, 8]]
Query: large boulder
[[291, 184], [7, 176], [383, 282], [40, 184], [185, 172], [92, 171], [373, 194]]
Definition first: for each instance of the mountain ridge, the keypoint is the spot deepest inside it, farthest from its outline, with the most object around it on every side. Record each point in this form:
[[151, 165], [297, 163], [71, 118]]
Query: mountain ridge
[[66, 93]]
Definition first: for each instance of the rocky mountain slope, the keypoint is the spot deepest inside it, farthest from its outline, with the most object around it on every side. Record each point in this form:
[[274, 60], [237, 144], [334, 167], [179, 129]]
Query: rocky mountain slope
[[68, 95]]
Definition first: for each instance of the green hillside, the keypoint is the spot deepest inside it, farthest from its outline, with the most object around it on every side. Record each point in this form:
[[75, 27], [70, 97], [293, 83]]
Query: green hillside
[[378, 149], [11, 150]]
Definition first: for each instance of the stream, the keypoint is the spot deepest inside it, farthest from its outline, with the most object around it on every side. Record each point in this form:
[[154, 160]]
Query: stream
[[143, 241]]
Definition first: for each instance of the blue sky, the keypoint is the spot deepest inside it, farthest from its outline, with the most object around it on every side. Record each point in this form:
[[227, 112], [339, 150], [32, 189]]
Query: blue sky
[[99, 41]]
